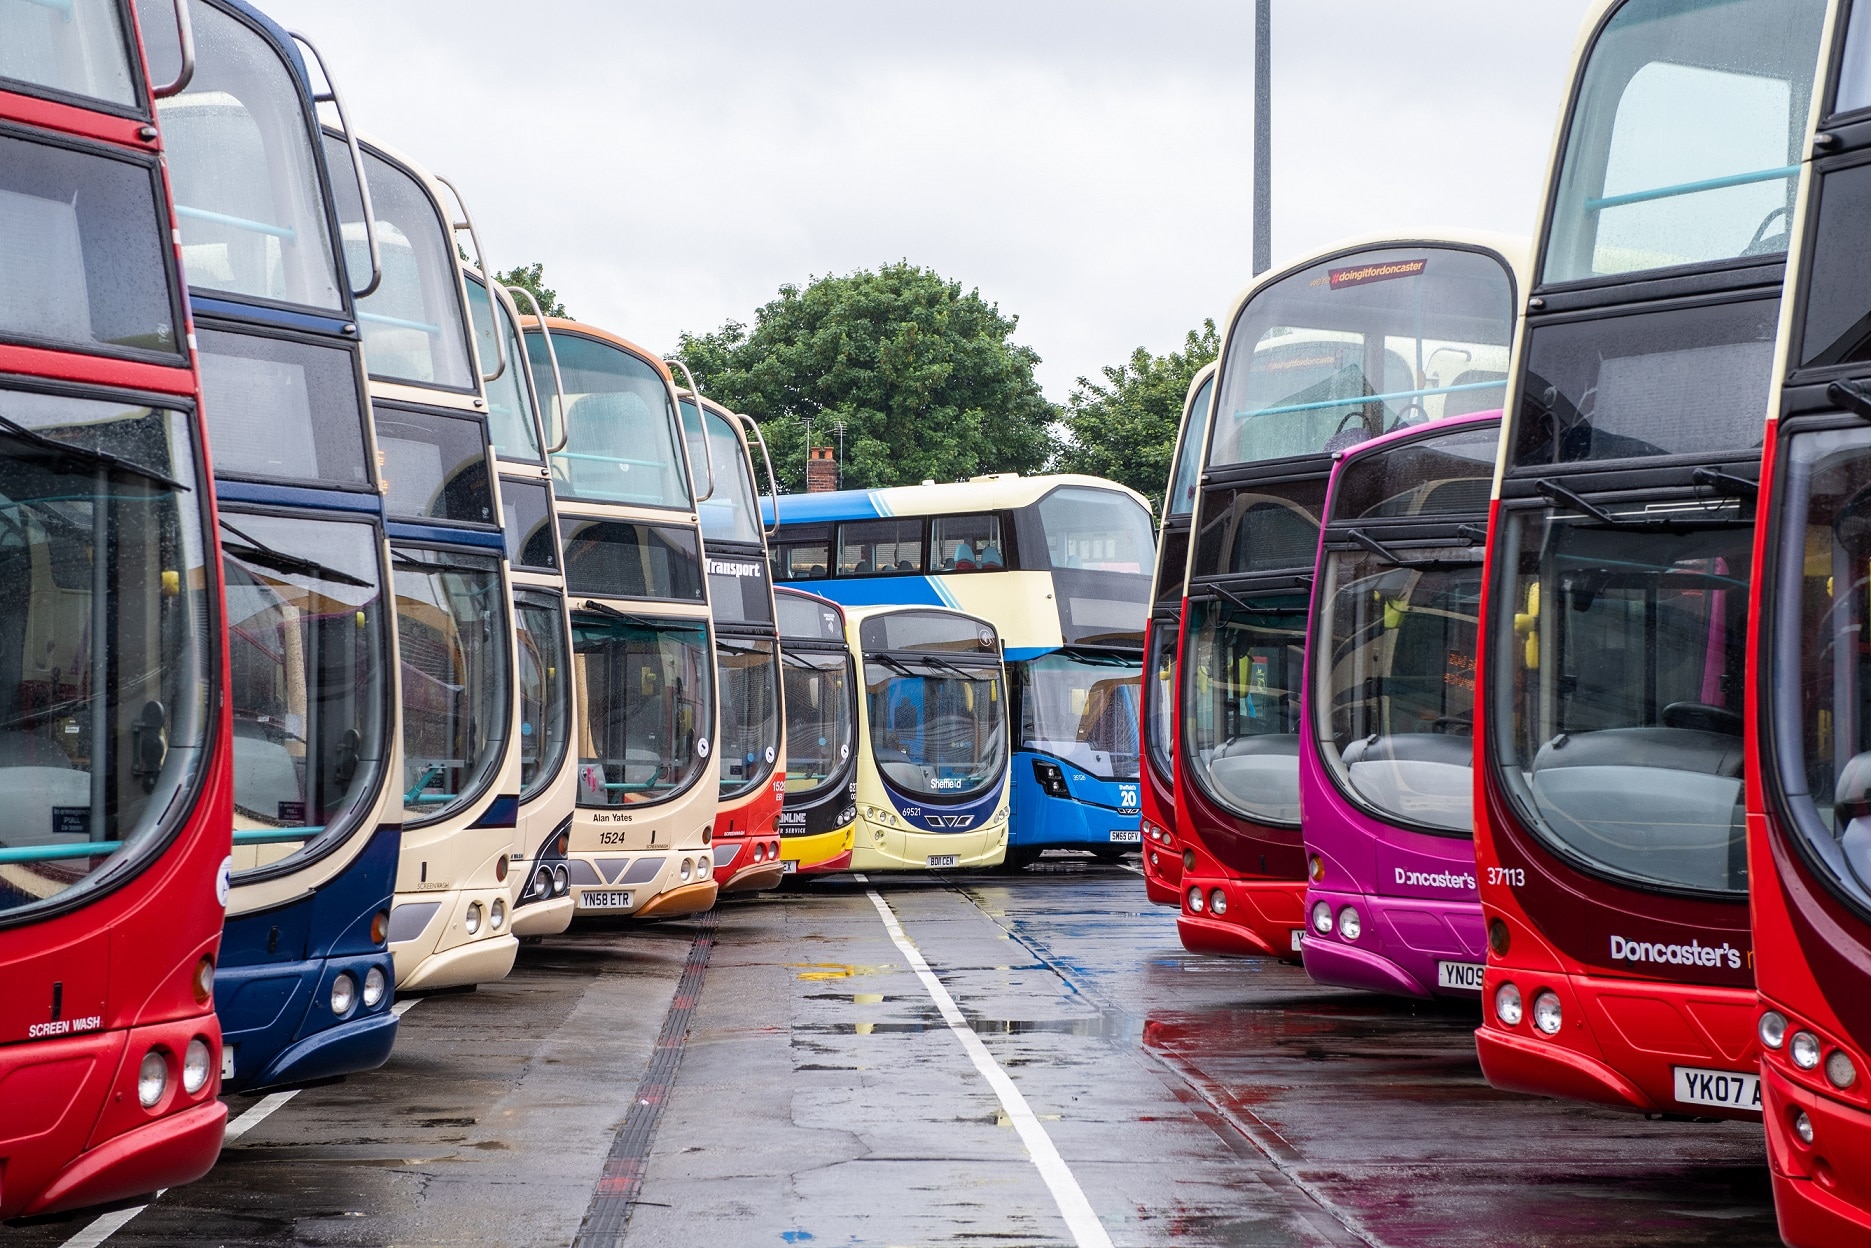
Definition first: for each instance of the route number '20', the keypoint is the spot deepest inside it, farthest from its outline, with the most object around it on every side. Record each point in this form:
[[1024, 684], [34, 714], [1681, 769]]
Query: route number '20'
[[1512, 877]]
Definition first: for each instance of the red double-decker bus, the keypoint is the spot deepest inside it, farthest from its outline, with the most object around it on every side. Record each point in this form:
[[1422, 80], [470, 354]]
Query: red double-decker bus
[[115, 778], [1162, 850], [1610, 840], [1809, 695]]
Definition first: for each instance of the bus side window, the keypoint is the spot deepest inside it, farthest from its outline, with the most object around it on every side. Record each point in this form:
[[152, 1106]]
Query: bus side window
[[801, 563], [965, 544], [871, 546]]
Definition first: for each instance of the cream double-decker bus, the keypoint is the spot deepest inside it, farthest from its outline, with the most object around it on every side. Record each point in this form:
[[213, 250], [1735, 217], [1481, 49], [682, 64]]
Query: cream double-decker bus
[[643, 647]]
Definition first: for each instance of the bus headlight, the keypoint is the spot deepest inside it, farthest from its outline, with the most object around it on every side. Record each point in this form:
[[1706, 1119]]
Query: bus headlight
[[561, 880], [1322, 917], [1507, 1005], [701, 867], [1773, 1029], [1195, 900], [687, 869], [1805, 1050], [497, 914], [343, 994], [1547, 1015], [473, 920], [1839, 1069], [374, 984], [1217, 901], [152, 1079], [1802, 1126], [196, 1064], [542, 882], [1349, 925]]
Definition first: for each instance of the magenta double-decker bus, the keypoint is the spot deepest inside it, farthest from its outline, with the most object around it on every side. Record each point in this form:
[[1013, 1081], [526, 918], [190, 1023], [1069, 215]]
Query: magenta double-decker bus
[[1386, 777]]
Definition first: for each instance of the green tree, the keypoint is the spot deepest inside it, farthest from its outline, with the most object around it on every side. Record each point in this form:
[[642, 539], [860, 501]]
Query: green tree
[[533, 278], [924, 379], [1125, 429]]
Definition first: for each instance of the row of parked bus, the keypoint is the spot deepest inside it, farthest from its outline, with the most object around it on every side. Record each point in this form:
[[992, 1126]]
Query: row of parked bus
[[359, 620], [1509, 632]]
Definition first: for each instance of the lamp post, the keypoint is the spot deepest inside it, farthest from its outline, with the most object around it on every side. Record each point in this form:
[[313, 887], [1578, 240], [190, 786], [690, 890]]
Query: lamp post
[[1263, 136]]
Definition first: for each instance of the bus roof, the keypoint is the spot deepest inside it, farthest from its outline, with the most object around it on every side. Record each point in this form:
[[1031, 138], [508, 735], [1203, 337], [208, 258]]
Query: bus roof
[[990, 492]]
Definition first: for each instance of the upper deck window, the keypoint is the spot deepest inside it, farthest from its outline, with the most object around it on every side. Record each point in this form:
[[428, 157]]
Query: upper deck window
[[247, 192], [620, 424], [82, 244], [512, 425], [967, 544], [1098, 530], [415, 329], [731, 513], [869, 547], [1188, 470], [75, 47], [1684, 140], [1362, 345]]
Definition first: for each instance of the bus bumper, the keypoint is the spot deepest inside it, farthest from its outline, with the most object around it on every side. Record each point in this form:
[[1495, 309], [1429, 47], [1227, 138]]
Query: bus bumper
[[477, 962], [754, 879], [352, 1047], [901, 849], [737, 871], [176, 1149], [687, 899], [1822, 1190], [275, 1016], [819, 852], [1401, 943], [1264, 918], [1620, 1040], [544, 918]]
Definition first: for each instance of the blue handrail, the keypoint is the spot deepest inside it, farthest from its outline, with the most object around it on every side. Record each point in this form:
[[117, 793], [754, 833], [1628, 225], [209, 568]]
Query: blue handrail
[[1359, 400], [422, 782], [273, 836], [240, 223], [610, 459], [1689, 188], [397, 322], [53, 853]]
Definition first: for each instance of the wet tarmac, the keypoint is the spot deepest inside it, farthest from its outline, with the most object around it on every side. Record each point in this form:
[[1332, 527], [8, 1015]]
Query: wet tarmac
[[1062, 1072]]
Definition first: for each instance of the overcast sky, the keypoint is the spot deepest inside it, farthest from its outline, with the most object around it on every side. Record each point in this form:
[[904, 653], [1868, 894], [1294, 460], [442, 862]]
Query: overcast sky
[[1088, 165]]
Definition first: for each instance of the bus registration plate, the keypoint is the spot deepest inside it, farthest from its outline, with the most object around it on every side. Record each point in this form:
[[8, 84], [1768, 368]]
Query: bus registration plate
[[1297, 933], [605, 899], [1463, 975], [1126, 836], [944, 860], [789, 866], [1729, 1089]]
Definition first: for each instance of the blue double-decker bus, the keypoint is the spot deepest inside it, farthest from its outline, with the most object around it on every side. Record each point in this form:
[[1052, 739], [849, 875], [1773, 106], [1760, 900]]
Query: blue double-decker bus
[[304, 984], [1061, 566]]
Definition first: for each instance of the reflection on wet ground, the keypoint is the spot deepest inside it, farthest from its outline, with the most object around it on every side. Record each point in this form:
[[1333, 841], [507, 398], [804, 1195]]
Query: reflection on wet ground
[[823, 1099]]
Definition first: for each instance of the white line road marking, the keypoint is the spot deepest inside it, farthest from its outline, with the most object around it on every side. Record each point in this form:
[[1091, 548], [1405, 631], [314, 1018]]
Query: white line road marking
[[103, 1228], [255, 1116], [1079, 1217]]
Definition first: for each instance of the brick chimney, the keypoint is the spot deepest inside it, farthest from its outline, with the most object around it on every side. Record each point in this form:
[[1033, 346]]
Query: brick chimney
[[821, 470]]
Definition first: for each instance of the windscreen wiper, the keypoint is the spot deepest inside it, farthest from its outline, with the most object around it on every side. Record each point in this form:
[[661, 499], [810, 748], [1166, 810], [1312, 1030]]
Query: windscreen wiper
[[87, 454], [1413, 565], [435, 565], [641, 621], [1244, 605], [904, 669], [1726, 483], [253, 550], [1558, 493]]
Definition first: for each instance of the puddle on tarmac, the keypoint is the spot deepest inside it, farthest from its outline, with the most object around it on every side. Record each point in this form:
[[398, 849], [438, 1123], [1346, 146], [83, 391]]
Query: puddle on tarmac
[[836, 970]]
